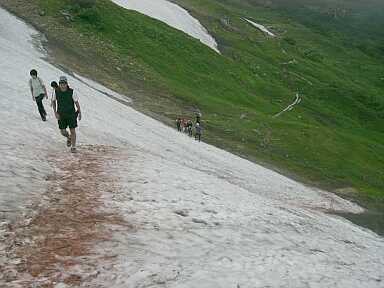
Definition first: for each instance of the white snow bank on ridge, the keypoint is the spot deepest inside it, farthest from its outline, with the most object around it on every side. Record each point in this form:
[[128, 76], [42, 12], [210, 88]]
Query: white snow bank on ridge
[[22, 37], [173, 15], [260, 27], [244, 226]]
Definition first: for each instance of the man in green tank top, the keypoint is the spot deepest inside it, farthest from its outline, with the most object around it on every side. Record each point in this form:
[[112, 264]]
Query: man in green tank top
[[64, 101]]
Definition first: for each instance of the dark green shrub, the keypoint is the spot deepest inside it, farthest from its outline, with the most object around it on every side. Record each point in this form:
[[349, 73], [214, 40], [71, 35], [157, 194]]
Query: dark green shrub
[[290, 41], [85, 3]]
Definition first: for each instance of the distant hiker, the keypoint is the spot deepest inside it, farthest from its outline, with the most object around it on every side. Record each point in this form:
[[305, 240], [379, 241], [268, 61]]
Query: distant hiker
[[38, 92], [198, 131], [190, 127], [54, 86], [185, 127], [178, 124], [198, 117], [182, 123], [64, 101]]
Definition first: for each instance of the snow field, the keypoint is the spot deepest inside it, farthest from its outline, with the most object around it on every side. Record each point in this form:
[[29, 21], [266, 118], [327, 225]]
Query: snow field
[[173, 15], [191, 227]]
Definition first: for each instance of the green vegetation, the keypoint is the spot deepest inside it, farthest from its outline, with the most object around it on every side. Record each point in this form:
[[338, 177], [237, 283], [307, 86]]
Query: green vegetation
[[334, 138]]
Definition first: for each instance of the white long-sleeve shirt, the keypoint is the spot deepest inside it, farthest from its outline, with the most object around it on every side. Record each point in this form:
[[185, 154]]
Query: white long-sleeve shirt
[[37, 86]]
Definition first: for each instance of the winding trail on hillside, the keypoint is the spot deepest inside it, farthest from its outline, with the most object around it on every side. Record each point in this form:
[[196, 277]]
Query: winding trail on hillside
[[290, 106]]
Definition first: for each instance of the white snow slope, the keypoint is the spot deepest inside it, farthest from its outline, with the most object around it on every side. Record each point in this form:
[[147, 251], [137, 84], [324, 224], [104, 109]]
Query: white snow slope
[[260, 27], [243, 225], [173, 15]]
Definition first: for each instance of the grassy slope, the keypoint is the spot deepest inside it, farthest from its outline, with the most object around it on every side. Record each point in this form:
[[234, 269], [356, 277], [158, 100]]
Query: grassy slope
[[333, 138], [343, 111]]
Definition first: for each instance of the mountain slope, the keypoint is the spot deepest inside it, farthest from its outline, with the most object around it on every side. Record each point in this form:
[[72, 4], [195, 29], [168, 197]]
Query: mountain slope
[[143, 205], [336, 63], [333, 138]]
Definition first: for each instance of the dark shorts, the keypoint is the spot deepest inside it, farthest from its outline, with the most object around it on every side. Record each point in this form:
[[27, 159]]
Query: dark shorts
[[67, 121]]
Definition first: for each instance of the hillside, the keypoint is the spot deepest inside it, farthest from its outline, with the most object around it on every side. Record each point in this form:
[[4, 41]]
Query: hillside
[[333, 138], [142, 205]]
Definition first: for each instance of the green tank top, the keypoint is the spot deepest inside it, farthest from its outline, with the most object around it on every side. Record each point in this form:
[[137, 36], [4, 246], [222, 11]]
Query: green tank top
[[65, 104]]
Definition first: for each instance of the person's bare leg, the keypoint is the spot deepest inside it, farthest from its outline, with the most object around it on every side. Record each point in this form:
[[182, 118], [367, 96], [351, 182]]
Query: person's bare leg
[[64, 132], [73, 137]]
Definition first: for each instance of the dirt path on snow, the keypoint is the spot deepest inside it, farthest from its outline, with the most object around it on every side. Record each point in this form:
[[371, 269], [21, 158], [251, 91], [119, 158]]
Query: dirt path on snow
[[55, 245]]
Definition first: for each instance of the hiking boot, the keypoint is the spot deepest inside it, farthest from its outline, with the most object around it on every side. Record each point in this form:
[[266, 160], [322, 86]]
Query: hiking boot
[[73, 150]]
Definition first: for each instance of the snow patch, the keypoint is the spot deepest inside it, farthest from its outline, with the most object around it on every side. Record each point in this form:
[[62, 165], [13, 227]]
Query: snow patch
[[173, 15], [260, 27]]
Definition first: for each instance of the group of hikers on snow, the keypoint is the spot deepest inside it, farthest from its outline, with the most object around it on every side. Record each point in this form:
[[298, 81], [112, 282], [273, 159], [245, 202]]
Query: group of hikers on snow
[[186, 126], [63, 102]]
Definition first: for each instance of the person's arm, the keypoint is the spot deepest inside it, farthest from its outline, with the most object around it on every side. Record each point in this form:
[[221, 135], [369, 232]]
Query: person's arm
[[53, 91], [55, 111], [31, 88], [46, 93], [54, 106], [44, 88], [75, 98], [78, 110]]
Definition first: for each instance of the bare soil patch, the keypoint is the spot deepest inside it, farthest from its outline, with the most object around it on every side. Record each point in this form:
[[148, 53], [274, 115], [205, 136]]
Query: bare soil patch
[[59, 239]]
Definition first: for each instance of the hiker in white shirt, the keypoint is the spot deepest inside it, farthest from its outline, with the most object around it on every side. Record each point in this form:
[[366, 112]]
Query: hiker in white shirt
[[38, 92]]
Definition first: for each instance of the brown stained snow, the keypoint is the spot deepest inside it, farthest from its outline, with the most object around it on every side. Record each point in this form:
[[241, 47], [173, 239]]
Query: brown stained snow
[[59, 239]]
